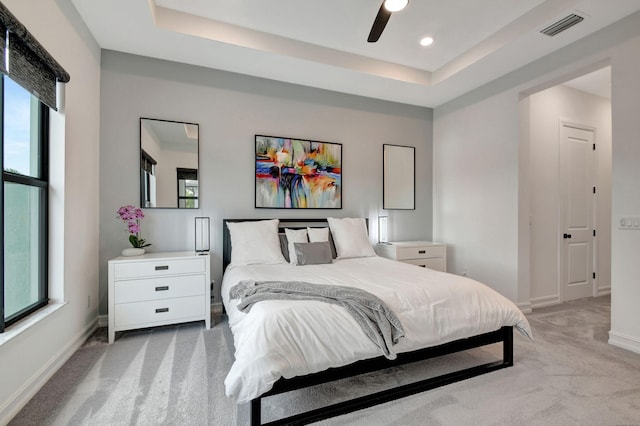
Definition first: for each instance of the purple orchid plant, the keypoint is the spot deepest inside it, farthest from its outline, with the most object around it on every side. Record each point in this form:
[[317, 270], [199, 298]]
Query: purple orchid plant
[[131, 216]]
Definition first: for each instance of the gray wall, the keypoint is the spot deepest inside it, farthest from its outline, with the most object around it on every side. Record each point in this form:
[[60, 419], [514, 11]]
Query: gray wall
[[480, 135], [52, 335], [231, 109]]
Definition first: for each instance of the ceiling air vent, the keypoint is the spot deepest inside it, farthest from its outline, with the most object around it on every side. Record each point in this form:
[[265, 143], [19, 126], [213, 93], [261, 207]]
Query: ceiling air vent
[[563, 24]]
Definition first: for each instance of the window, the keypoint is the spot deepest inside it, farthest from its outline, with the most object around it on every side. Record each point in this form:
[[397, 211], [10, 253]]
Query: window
[[26, 68], [24, 200], [187, 188]]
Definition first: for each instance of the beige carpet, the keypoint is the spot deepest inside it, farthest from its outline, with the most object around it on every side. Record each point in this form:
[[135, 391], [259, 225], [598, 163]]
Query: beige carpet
[[174, 376]]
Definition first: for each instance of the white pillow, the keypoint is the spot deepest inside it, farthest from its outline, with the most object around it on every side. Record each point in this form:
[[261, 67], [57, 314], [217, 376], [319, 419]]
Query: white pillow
[[255, 242], [350, 237], [295, 236], [318, 235]]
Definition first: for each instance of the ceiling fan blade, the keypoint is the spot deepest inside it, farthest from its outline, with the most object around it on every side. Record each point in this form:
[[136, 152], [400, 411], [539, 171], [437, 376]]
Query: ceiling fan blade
[[378, 25]]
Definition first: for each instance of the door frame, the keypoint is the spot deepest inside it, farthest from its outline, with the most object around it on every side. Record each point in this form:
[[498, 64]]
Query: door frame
[[564, 122]]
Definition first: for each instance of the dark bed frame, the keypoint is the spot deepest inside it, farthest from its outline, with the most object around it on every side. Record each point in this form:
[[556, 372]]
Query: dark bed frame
[[504, 335]]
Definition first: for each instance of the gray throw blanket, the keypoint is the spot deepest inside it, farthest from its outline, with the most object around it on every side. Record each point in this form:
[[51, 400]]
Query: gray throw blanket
[[375, 318]]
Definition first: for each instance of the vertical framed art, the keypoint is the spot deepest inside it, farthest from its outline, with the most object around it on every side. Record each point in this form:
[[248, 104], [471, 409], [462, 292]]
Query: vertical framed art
[[297, 173]]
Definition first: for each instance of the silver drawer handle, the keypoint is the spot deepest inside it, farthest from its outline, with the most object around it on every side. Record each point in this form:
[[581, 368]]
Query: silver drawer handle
[[162, 288], [161, 310], [162, 268], [422, 251]]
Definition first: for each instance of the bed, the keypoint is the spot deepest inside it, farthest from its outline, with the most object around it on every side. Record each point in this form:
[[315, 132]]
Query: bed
[[283, 345]]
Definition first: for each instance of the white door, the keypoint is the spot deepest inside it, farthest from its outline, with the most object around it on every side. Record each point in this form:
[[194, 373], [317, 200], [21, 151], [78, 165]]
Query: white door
[[577, 198]]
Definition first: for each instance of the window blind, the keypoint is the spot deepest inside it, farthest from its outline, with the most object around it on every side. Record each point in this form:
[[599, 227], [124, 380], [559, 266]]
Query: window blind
[[29, 64]]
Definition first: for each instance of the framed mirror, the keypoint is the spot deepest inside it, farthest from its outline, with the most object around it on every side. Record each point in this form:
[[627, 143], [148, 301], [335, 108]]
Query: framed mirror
[[169, 164], [399, 178]]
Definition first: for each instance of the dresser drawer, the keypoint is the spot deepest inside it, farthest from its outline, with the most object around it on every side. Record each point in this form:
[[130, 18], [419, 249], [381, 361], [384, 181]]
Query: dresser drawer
[[435, 263], [158, 268], [156, 311], [418, 252], [158, 288]]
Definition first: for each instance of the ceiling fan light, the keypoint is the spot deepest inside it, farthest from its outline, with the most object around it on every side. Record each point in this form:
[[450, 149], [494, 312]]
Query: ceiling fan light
[[426, 41], [395, 5]]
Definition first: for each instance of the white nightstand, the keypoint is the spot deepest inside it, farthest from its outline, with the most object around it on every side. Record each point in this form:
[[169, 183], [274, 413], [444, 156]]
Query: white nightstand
[[158, 289], [421, 253]]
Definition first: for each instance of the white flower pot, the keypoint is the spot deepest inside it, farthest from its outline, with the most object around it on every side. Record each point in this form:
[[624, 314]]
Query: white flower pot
[[132, 251]]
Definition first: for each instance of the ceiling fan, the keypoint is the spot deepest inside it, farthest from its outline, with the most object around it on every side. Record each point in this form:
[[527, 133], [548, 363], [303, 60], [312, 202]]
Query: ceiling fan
[[386, 9]]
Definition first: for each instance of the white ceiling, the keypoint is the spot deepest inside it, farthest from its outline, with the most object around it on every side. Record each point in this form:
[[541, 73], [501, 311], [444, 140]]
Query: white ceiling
[[170, 133], [597, 83], [323, 43]]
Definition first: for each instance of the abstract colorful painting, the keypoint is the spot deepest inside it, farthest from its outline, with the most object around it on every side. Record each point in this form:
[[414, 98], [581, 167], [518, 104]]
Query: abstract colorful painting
[[298, 174]]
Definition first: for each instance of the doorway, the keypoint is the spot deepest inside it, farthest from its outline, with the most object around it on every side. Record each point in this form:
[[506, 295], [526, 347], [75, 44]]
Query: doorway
[[568, 260]]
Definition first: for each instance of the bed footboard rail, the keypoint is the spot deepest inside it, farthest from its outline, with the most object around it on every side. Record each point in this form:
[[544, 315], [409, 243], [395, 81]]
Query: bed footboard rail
[[504, 335]]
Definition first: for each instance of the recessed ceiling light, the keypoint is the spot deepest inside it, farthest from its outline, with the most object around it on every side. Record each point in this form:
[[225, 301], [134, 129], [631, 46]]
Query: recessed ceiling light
[[426, 41], [395, 5]]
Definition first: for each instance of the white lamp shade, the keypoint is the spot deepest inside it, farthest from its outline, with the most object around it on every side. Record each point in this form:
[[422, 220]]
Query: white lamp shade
[[383, 229], [202, 234]]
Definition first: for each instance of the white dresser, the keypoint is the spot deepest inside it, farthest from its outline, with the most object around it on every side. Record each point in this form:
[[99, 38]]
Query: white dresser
[[158, 289], [421, 253]]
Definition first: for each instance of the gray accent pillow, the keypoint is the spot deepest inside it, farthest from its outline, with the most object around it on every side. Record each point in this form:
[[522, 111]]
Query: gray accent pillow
[[313, 253], [314, 237]]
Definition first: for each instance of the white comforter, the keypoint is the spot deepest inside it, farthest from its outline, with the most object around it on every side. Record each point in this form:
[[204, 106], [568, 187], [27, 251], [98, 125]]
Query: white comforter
[[291, 338]]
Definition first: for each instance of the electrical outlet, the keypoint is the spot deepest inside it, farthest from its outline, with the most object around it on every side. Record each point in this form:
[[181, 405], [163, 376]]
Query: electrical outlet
[[464, 272]]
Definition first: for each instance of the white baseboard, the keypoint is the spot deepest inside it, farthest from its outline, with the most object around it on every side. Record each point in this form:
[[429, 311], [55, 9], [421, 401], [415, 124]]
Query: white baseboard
[[541, 302], [604, 291], [525, 307], [103, 320], [22, 396], [623, 341], [216, 307]]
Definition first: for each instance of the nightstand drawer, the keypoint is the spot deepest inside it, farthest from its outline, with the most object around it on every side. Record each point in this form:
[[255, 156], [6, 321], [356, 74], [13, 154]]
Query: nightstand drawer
[[425, 252], [158, 288], [421, 253], [435, 263], [156, 311], [158, 268]]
